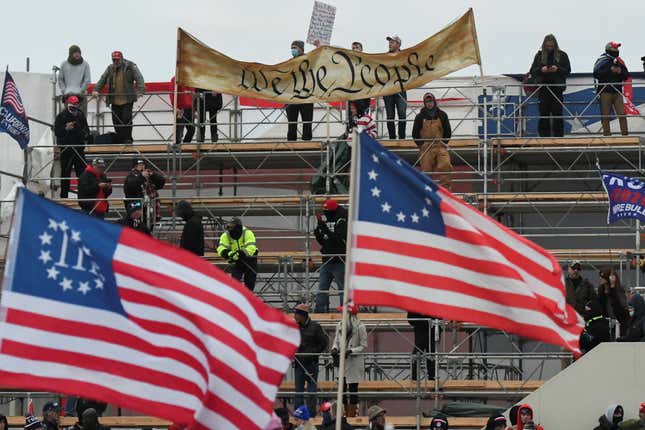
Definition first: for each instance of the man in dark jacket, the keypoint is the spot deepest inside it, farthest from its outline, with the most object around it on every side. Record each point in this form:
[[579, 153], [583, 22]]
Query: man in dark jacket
[[192, 237], [596, 327], [611, 70], [550, 68], [424, 342], [635, 330], [306, 110], [207, 102], [331, 234], [89, 420], [94, 188], [72, 132], [313, 341], [431, 132], [142, 182], [579, 290], [51, 416], [125, 85], [134, 217]]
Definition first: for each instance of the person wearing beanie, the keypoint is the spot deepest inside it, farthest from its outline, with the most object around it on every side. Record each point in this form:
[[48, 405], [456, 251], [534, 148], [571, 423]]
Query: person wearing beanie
[[74, 77], [635, 423], [376, 416], [142, 182], [331, 234], [313, 342], [72, 133], [302, 416], [94, 188], [550, 68], [395, 103], [125, 85], [328, 411], [354, 364], [32, 423], [192, 236], [610, 72], [306, 110], [237, 245], [496, 422], [431, 132]]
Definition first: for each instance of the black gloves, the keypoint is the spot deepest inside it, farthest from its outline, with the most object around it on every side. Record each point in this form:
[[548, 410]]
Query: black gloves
[[225, 253]]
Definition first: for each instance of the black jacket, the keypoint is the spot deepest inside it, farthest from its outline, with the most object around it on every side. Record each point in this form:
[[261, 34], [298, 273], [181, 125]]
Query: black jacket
[[596, 328], [559, 77], [579, 292], [603, 74], [425, 113], [48, 425], [614, 303], [332, 235], [135, 183], [88, 188], [635, 331], [77, 135], [313, 340], [192, 237]]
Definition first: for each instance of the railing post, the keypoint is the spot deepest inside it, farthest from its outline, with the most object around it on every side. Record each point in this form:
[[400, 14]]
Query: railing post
[[485, 149]]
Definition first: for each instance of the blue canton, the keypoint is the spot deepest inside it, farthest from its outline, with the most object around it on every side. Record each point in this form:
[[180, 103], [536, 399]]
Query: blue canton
[[393, 192]]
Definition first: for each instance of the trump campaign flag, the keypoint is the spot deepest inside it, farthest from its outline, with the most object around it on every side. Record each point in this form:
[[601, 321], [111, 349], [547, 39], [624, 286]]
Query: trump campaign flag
[[626, 197], [13, 118], [416, 246], [94, 309]]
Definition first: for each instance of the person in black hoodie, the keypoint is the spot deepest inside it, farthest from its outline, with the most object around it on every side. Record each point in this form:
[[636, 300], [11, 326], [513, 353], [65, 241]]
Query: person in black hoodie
[[611, 70], [192, 237], [635, 331], [72, 132], [134, 218], [331, 234], [551, 67], [431, 132], [596, 327]]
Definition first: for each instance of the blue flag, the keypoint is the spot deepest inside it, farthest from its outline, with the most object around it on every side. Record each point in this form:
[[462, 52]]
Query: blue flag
[[626, 197], [13, 118]]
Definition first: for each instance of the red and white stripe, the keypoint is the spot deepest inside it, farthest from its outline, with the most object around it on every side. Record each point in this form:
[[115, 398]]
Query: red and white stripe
[[366, 124], [12, 98], [479, 272], [196, 348]]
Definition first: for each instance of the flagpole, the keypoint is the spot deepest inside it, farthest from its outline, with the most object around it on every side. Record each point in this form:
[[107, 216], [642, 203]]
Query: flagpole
[[353, 201], [174, 128]]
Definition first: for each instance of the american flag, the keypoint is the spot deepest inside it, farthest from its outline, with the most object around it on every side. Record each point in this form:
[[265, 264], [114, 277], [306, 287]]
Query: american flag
[[416, 246], [97, 310], [11, 96]]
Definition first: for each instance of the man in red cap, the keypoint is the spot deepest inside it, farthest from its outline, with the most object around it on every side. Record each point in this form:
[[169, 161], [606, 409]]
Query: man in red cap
[[72, 132], [611, 70], [331, 234], [125, 85]]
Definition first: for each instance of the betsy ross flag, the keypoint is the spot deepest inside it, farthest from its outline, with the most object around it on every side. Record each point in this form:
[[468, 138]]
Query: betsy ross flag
[[416, 246], [94, 309], [13, 118]]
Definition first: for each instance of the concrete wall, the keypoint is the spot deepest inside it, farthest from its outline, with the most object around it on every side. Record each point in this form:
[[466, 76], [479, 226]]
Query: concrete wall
[[577, 396]]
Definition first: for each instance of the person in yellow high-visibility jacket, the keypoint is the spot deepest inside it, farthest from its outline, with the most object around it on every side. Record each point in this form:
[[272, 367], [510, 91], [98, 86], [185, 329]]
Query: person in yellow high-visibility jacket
[[237, 245]]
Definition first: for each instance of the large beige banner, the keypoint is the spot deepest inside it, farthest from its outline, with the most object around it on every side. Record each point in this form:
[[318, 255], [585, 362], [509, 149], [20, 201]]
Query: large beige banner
[[329, 73]]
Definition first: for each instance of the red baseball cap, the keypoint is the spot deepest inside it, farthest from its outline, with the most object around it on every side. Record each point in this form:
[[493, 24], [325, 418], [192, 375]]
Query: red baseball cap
[[330, 205], [117, 55], [612, 46], [73, 100]]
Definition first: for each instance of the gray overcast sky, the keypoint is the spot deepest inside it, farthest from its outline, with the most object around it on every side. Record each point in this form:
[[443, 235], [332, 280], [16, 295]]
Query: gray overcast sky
[[510, 31]]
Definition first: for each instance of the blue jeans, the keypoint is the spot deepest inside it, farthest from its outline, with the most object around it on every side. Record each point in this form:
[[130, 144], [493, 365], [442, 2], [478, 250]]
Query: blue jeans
[[329, 271], [400, 103], [309, 374]]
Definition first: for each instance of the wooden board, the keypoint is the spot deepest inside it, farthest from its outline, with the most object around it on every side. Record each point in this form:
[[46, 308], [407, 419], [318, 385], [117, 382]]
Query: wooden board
[[445, 386]]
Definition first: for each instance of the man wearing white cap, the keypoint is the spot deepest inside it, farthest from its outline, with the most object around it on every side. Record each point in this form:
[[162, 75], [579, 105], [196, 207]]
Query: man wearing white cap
[[395, 102]]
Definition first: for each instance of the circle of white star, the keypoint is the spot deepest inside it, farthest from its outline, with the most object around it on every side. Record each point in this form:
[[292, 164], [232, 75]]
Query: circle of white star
[[67, 284]]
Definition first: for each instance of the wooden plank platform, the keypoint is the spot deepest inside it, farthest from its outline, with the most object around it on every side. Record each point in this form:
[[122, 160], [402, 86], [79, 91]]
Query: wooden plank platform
[[427, 386], [303, 146], [551, 142], [114, 422], [544, 197]]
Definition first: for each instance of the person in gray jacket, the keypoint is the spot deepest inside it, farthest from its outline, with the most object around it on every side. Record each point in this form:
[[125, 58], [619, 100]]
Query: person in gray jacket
[[125, 85], [74, 77]]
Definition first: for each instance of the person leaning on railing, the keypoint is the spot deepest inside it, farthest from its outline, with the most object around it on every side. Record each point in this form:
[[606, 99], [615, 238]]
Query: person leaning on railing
[[550, 68]]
